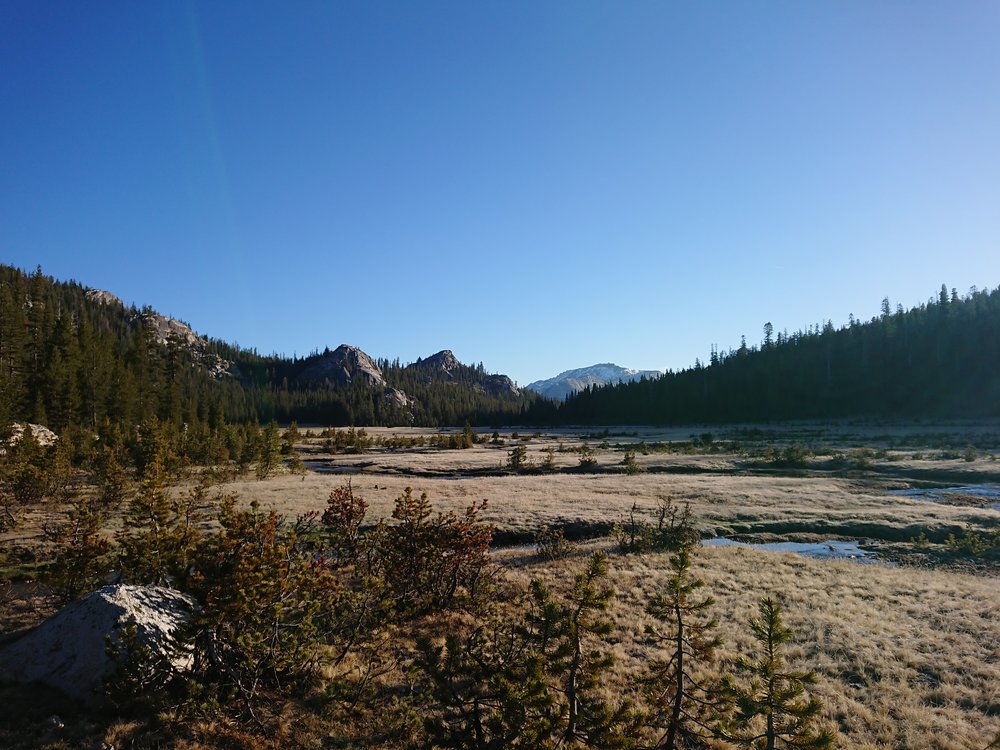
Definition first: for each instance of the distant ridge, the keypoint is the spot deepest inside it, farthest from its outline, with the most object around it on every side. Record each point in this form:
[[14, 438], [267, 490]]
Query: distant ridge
[[573, 381], [78, 357]]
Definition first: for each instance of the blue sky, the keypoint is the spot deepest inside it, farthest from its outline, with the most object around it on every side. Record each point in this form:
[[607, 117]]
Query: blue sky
[[537, 186]]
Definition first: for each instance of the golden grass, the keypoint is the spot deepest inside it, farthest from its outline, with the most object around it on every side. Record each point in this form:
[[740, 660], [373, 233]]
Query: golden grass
[[723, 503], [904, 658]]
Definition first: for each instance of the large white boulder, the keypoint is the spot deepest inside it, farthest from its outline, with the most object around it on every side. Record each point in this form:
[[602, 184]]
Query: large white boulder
[[67, 651]]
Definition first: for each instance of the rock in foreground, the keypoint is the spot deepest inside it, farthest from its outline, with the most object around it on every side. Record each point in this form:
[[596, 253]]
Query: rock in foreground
[[67, 651]]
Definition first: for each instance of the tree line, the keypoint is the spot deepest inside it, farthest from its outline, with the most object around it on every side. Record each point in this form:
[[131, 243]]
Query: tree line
[[939, 359], [74, 363]]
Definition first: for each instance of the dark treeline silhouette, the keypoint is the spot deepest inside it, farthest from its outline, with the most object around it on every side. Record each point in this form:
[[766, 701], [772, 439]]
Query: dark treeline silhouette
[[940, 359], [69, 359]]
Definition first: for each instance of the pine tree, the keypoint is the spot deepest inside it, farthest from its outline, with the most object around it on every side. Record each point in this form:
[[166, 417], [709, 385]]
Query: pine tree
[[81, 550], [265, 603], [630, 464], [549, 464], [489, 691], [564, 635], [25, 478], [772, 710], [268, 450], [517, 458], [160, 533], [111, 479], [687, 707]]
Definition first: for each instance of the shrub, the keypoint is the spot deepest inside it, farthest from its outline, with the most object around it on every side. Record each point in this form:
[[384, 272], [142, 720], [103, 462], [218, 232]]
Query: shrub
[[552, 543], [633, 534], [158, 537], [674, 529], [434, 560], [587, 460], [517, 458], [629, 462], [82, 551], [266, 603]]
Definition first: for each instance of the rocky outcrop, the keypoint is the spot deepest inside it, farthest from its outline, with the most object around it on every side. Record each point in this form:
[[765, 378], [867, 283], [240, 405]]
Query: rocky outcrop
[[67, 651], [164, 328], [167, 330], [445, 366], [43, 435], [103, 298], [172, 331], [443, 362], [396, 398], [345, 365], [501, 386]]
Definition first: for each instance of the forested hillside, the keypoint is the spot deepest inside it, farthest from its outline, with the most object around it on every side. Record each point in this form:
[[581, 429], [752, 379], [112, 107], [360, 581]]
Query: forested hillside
[[67, 358], [941, 359], [77, 358]]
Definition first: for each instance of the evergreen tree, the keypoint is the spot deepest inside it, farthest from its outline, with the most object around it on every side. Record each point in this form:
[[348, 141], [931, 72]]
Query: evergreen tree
[[772, 710], [159, 533], [563, 634], [265, 605], [630, 464], [490, 691], [268, 450], [517, 458], [82, 550], [687, 704], [25, 479]]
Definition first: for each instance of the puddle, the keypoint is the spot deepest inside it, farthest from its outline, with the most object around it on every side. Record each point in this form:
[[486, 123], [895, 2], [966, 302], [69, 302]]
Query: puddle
[[988, 495], [831, 549]]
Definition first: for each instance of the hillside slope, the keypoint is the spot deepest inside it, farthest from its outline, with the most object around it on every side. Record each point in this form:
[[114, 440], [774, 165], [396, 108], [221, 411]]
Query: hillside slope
[[940, 359], [77, 357]]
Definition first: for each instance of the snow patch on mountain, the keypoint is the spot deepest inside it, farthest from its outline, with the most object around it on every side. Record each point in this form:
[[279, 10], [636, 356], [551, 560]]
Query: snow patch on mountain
[[572, 381]]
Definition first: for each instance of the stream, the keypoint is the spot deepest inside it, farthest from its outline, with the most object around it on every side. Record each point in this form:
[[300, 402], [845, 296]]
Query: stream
[[830, 549], [985, 492]]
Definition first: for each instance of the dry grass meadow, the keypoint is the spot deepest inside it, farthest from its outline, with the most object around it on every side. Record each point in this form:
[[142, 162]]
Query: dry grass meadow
[[907, 651], [907, 655]]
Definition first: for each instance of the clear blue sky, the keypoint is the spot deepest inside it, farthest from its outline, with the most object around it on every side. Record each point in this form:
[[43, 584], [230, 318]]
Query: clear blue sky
[[535, 185]]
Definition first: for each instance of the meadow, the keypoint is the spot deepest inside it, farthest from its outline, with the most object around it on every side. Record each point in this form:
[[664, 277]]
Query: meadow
[[906, 649]]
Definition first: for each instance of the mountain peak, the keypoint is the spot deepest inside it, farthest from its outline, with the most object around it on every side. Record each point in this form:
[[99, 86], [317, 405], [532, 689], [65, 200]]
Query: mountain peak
[[572, 381], [343, 366], [443, 360]]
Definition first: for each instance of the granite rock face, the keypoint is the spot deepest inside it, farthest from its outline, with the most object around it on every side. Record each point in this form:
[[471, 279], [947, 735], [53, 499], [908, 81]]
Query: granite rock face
[[67, 651], [445, 366], [397, 398], [345, 365], [43, 435]]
